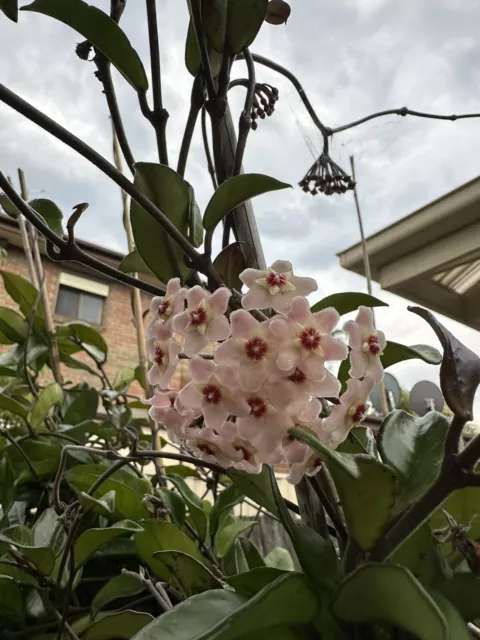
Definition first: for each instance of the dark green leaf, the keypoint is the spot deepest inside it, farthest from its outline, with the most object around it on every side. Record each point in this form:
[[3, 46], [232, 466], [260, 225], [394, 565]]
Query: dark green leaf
[[251, 582], [420, 554], [235, 191], [214, 21], [245, 18], [84, 333], [11, 405], [22, 292], [5, 203], [464, 506], [99, 29], [395, 352], [343, 461], [250, 554], [228, 534], [221, 615], [122, 586], [134, 263], [347, 302], [50, 213], [10, 9], [159, 535], [22, 538], [224, 503], [49, 397], [463, 591], [123, 378], [44, 456], [19, 576], [460, 370], [84, 407], [73, 363], [84, 430], [195, 228], [187, 574], [195, 505], [181, 470], [280, 559], [170, 193], [11, 601], [315, 554], [7, 484], [12, 325], [119, 625], [457, 628], [192, 55], [92, 539], [104, 506], [229, 264], [174, 503], [359, 440], [257, 487], [415, 448], [389, 593]]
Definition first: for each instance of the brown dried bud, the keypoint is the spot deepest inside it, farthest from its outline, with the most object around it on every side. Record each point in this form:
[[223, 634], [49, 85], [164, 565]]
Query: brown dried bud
[[278, 12], [83, 50]]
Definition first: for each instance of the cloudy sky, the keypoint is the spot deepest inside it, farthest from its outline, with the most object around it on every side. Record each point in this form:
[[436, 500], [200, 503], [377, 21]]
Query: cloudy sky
[[353, 57]]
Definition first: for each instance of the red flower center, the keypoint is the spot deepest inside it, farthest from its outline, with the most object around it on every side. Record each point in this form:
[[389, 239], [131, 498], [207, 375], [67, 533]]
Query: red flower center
[[360, 411], [159, 356], [276, 279], [258, 406], [310, 339], [256, 349], [297, 377], [212, 394], [373, 345], [245, 452], [207, 448], [164, 309], [198, 316]]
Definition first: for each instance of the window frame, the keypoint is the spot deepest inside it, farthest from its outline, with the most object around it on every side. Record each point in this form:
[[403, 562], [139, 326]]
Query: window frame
[[81, 287]]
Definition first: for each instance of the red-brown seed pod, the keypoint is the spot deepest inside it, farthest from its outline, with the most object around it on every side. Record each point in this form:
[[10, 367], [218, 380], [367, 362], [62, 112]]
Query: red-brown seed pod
[[278, 12]]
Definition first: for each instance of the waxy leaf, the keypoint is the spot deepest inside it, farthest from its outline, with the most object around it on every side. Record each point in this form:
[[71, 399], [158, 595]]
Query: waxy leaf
[[347, 302], [122, 586], [50, 213], [12, 325], [23, 293], [187, 574], [257, 487], [48, 398], [91, 540], [229, 264], [133, 263], [226, 537], [343, 461], [119, 625], [192, 55]]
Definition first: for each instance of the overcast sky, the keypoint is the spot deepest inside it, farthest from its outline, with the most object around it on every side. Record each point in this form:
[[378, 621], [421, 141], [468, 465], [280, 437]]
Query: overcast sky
[[353, 57]]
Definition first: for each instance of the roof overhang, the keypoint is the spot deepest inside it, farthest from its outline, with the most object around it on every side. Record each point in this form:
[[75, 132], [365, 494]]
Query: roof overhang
[[431, 257]]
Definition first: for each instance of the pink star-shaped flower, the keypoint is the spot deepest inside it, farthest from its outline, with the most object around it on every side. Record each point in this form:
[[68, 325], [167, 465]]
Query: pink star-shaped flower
[[164, 410], [250, 460], [366, 344], [309, 463], [164, 308], [352, 409], [164, 356], [204, 320], [211, 446], [275, 287]]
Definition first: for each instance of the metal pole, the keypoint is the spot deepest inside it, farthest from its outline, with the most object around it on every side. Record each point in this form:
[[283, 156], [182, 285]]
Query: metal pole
[[367, 271], [24, 233], [49, 325]]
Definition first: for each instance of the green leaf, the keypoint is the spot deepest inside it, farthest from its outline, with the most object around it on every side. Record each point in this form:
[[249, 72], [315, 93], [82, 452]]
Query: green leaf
[[92, 539], [347, 302], [224, 503], [170, 193], [389, 593], [119, 625], [7, 484], [195, 228], [122, 586], [158, 535], [134, 263], [181, 470], [315, 554], [222, 615], [343, 461], [10, 9], [101, 31], [22, 292], [227, 536], [414, 447], [175, 505], [50, 213], [395, 352], [420, 554], [359, 440], [249, 553], [244, 20], [229, 264], [187, 574], [11, 601], [19, 576], [457, 628], [257, 487], [464, 506], [195, 505], [367, 501], [49, 397], [281, 559], [11, 405], [44, 456], [251, 582], [104, 506], [123, 378], [214, 21], [463, 591], [192, 55], [84, 407], [12, 325], [84, 333], [22, 538], [235, 191]]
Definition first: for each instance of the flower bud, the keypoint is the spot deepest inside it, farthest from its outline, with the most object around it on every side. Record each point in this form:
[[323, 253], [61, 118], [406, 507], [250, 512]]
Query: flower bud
[[278, 12]]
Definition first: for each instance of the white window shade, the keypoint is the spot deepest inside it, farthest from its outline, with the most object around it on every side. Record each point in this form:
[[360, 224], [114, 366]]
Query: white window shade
[[84, 284]]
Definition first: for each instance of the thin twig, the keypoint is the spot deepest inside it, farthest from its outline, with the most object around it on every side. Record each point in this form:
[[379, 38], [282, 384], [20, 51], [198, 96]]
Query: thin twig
[[159, 114], [28, 462], [197, 101], [206, 146], [245, 118]]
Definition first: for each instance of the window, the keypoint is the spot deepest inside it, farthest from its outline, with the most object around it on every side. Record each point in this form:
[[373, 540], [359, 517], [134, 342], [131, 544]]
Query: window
[[79, 304]]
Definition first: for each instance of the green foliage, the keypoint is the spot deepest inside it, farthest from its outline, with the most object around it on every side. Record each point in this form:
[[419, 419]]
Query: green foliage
[[134, 263], [10, 9], [50, 213], [192, 55], [347, 302], [229, 264]]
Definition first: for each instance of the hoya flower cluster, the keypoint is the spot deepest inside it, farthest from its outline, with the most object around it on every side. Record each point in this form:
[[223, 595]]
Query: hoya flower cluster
[[264, 376]]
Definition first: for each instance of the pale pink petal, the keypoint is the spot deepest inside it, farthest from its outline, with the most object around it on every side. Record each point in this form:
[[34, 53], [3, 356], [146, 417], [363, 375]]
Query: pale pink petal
[[237, 406], [179, 322], [243, 323], [288, 358], [228, 352], [326, 388], [382, 342], [282, 301], [280, 394], [150, 346], [252, 375], [353, 392], [219, 300], [173, 286], [281, 266], [250, 276], [313, 367], [366, 385], [217, 329], [311, 411], [300, 399], [374, 369], [333, 349], [190, 397], [161, 330], [294, 450], [326, 320], [299, 310], [201, 369], [354, 332], [174, 349], [164, 380], [194, 343], [365, 318], [340, 435], [358, 364], [279, 328], [160, 401], [155, 302], [297, 471], [215, 415], [303, 286], [228, 376], [257, 298], [156, 374], [195, 295]]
